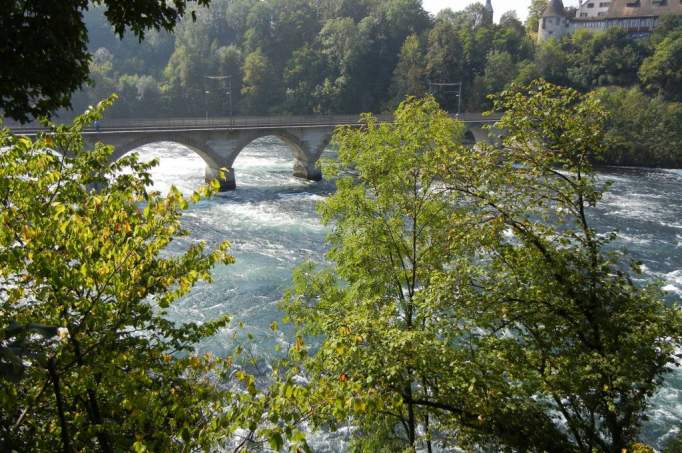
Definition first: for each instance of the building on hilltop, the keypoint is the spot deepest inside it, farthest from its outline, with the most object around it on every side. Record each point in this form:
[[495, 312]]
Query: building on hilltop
[[637, 17], [590, 9]]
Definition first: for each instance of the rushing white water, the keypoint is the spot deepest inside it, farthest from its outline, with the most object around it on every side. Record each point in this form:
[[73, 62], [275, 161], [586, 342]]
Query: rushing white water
[[271, 221]]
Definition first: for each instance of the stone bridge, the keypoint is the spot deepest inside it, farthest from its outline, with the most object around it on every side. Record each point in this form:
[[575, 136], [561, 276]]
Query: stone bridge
[[220, 140]]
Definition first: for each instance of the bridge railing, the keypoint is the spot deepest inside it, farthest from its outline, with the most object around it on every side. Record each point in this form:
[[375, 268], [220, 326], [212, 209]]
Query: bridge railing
[[238, 122]]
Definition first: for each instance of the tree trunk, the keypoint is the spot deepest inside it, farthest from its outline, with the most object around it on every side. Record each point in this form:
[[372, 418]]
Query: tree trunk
[[54, 377]]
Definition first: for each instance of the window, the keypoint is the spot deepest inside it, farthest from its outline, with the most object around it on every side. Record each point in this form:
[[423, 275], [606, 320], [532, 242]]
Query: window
[[585, 14], [607, 4], [601, 14], [590, 5]]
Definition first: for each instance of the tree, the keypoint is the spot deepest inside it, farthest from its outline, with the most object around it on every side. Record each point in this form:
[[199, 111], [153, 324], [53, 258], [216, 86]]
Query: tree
[[499, 72], [511, 37], [662, 72], [229, 63], [445, 61], [83, 266], [295, 24], [258, 90], [389, 233], [345, 47], [46, 58], [303, 76], [601, 59], [354, 9], [475, 16], [410, 73], [184, 75], [641, 130], [469, 301], [535, 11], [552, 62], [259, 24], [590, 343], [667, 24]]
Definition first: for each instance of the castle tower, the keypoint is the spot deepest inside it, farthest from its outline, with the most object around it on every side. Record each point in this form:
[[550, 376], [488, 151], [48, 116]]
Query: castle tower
[[554, 23], [489, 6]]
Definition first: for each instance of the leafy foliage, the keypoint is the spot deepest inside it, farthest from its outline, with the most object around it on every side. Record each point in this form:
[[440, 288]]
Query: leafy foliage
[[662, 72], [642, 130], [469, 302], [389, 237], [89, 359], [313, 57], [45, 56]]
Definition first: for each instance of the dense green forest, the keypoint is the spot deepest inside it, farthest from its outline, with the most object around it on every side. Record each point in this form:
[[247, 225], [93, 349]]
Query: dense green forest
[[324, 56]]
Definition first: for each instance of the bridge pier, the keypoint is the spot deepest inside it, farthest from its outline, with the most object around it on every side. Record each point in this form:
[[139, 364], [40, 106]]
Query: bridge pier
[[306, 169], [226, 184]]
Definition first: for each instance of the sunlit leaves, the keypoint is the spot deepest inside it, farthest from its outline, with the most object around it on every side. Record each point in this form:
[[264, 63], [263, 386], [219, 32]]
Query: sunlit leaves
[[83, 248], [469, 295], [390, 218]]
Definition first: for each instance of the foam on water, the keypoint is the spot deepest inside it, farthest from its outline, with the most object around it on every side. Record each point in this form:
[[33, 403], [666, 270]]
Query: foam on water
[[674, 280], [272, 224], [645, 207], [177, 166]]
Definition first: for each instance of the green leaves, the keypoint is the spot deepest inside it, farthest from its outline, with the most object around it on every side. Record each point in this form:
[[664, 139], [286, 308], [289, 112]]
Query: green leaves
[[661, 73], [641, 130], [83, 255], [468, 293], [390, 222], [44, 68]]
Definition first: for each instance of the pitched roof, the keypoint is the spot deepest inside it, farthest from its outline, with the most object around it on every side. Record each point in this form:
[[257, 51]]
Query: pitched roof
[[641, 8], [554, 8]]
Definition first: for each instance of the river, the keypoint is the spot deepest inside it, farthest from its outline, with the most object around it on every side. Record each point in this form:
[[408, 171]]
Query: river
[[271, 222]]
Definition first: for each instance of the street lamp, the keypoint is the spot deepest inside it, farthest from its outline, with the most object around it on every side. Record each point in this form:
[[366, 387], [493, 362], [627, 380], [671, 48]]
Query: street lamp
[[206, 93]]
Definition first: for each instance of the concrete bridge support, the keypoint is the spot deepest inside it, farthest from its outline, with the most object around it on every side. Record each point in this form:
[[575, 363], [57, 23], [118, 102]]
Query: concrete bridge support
[[306, 145]]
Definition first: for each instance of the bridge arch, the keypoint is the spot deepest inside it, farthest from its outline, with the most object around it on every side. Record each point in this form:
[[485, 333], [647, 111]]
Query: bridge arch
[[199, 147], [219, 148], [306, 146], [301, 151]]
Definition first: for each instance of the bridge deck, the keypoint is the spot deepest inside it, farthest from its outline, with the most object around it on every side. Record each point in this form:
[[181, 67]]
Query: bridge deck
[[237, 123]]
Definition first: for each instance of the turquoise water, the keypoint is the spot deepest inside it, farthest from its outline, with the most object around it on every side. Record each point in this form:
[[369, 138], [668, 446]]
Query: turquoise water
[[271, 221]]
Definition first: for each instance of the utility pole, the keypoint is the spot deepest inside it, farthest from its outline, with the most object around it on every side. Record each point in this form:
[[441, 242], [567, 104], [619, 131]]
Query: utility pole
[[227, 90], [229, 93], [206, 93], [449, 88]]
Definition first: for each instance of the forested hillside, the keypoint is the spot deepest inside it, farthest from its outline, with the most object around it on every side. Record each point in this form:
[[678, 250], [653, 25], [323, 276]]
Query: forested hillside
[[350, 56], [304, 56]]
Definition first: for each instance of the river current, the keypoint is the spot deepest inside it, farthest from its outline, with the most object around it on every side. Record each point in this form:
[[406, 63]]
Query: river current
[[272, 224]]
